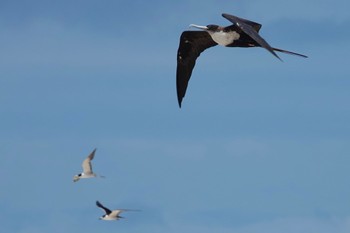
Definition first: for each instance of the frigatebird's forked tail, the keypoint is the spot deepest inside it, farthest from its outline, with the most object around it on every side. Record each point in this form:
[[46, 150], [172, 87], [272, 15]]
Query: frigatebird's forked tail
[[289, 52]]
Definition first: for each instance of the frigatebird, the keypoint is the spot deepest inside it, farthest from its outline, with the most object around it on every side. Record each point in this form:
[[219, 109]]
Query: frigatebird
[[242, 33]]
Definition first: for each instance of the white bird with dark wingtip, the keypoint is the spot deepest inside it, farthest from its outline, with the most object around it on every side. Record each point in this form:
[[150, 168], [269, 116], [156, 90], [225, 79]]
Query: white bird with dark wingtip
[[87, 168], [111, 214]]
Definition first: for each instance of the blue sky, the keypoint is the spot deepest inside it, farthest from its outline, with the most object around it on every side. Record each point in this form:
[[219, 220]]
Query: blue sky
[[258, 146]]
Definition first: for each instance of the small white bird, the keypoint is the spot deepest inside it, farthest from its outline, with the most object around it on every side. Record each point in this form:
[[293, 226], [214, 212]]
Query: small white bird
[[111, 215], [87, 168]]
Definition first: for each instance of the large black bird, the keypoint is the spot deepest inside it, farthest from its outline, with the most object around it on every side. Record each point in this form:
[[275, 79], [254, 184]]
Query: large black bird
[[242, 33]]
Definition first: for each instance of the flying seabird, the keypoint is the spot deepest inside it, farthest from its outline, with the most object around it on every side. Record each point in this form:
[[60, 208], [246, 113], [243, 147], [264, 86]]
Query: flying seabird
[[242, 33], [111, 214], [87, 168]]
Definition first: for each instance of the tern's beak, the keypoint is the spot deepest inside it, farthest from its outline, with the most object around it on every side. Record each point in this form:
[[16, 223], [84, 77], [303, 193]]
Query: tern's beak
[[198, 26]]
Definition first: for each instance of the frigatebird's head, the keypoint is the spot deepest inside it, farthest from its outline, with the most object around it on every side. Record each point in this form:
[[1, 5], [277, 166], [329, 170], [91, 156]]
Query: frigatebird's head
[[210, 27], [213, 27]]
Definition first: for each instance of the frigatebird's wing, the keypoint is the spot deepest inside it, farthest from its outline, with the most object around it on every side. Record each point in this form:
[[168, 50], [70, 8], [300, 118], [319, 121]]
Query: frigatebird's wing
[[108, 211], [255, 36], [87, 168], [192, 43], [234, 19], [249, 28]]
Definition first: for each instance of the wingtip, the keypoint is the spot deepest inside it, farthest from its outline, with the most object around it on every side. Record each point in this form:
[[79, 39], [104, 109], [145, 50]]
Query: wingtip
[[227, 16], [179, 100], [93, 152]]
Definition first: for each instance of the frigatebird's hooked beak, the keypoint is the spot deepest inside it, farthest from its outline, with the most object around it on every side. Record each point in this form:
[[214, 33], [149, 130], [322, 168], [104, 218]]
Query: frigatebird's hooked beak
[[198, 26]]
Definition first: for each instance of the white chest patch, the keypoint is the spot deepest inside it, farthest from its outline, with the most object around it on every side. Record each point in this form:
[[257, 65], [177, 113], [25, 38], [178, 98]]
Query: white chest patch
[[224, 38]]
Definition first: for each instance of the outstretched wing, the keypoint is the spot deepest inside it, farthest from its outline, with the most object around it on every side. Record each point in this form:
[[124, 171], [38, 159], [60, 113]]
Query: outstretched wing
[[108, 211], [234, 19], [115, 213], [192, 43], [251, 29], [87, 168]]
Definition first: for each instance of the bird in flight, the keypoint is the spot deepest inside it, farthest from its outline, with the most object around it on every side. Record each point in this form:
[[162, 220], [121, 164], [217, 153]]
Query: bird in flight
[[111, 214], [241, 33], [87, 168]]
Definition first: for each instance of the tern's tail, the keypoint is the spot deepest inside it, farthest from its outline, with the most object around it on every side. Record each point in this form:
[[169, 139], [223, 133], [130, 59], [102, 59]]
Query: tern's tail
[[289, 52]]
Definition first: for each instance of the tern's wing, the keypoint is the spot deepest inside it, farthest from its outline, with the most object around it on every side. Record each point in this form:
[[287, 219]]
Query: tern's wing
[[108, 211], [192, 43], [116, 213], [250, 28], [87, 168]]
